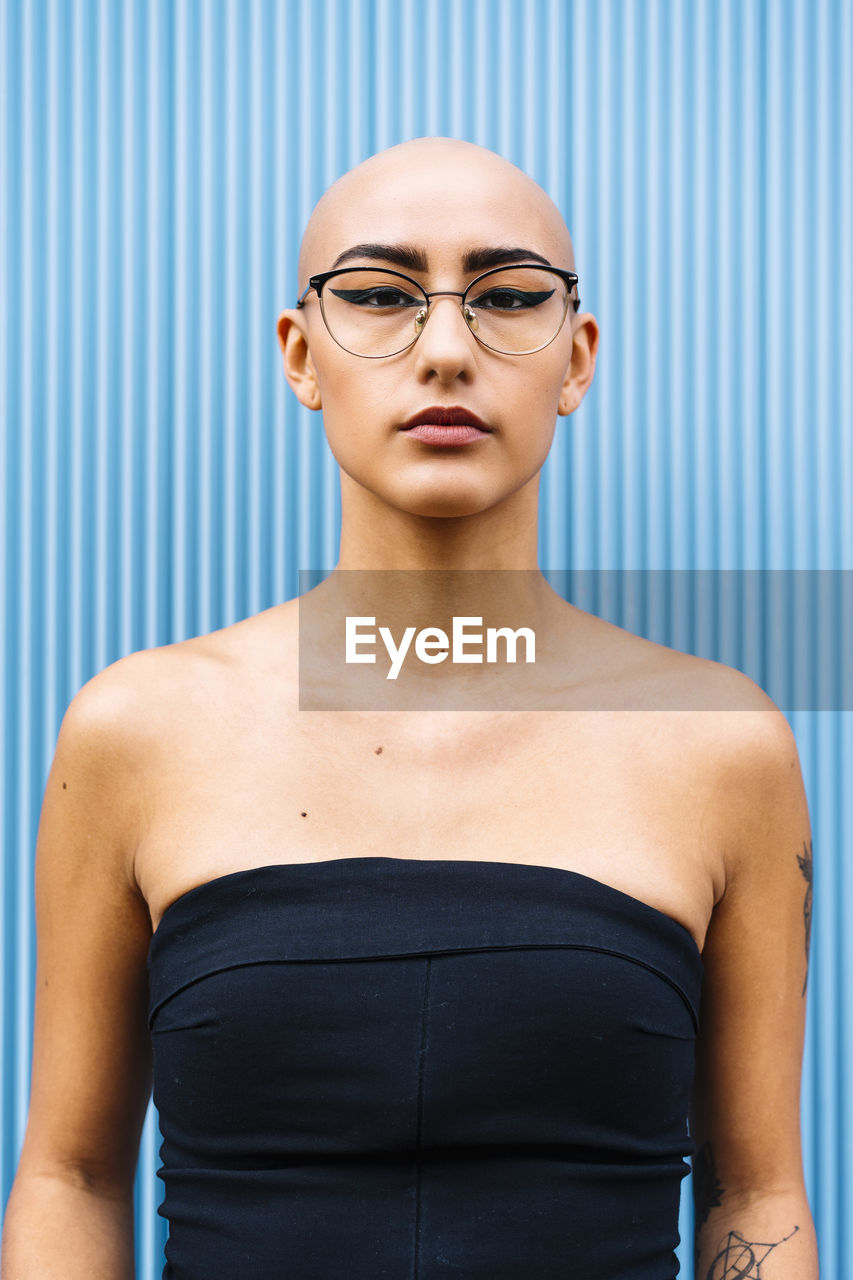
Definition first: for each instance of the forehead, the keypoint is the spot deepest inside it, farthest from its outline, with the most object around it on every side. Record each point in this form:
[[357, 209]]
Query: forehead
[[443, 202]]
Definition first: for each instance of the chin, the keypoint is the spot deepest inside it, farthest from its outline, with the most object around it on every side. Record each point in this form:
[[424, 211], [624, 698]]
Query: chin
[[445, 511], [443, 505], [435, 497]]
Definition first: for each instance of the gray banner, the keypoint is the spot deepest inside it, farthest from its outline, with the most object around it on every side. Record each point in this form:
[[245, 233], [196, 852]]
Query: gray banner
[[576, 640]]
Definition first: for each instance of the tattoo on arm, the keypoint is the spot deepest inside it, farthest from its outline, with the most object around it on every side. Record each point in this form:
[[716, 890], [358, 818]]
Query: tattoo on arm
[[804, 862], [741, 1259], [707, 1189]]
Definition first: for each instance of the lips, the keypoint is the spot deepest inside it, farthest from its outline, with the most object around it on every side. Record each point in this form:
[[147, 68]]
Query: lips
[[438, 416]]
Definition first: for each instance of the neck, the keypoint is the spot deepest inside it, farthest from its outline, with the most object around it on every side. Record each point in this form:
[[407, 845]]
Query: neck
[[376, 535], [422, 570], [440, 582], [408, 573]]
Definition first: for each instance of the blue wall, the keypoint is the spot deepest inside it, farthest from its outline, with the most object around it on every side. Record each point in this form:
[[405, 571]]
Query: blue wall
[[157, 163]]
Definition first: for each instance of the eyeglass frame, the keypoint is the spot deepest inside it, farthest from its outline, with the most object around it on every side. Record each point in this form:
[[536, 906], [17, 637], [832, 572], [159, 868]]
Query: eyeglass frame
[[318, 282]]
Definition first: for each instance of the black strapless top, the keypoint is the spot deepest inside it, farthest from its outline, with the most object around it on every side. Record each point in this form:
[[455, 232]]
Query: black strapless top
[[386, 1067]]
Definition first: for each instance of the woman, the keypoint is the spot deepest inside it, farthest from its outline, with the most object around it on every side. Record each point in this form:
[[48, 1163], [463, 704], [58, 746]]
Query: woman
[[424, 988]]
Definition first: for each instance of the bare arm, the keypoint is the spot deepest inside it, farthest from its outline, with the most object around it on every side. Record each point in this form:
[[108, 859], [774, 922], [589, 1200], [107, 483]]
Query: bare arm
[[70, 1213], [752, 1215]]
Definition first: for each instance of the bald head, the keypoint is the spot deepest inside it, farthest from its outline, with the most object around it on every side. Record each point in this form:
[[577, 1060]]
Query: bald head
[[440, 197]]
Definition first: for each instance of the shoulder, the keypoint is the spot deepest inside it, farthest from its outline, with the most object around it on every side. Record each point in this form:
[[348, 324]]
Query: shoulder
[[742, 732], [644, 675], [744, 742], [134, 701], [125, 707], [705, 719], [140, 711], [742, 750], [132, 715]]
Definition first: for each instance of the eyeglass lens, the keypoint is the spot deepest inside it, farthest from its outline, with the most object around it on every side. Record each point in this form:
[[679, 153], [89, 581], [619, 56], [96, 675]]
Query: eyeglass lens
[[515, 310]]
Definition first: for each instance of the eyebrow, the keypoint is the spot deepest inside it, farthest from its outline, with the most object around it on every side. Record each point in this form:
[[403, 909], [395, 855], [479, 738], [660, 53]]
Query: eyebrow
[[414, 259]]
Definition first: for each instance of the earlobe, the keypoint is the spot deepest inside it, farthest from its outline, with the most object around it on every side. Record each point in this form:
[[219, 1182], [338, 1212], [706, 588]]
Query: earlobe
[[569, 398], [582, 367], [296, 358]]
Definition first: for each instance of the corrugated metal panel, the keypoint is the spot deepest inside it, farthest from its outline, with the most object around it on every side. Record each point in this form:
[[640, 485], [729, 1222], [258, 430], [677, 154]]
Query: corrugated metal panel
[[157, 163]]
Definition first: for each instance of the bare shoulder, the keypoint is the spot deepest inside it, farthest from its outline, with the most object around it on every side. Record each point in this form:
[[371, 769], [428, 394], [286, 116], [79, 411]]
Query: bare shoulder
[[705, 717], [743, 734], [741, 730], [112, 703], [125, 710], [635, 673], [726, 728]]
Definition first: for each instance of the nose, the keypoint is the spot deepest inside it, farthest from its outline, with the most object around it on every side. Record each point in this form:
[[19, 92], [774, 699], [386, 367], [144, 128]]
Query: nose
[[446, 345]]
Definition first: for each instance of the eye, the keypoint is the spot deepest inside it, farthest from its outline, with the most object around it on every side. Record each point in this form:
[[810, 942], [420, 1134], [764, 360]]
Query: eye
[[505, 299], [379, 297]]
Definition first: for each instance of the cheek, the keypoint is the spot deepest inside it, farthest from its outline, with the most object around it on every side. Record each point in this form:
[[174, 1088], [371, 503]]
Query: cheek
[[342, 390], [534, 398], [355, 418], [546, 387]]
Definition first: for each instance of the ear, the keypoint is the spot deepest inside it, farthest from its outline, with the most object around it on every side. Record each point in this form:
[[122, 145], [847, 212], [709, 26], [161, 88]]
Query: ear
[[296, 356], [582, 366]]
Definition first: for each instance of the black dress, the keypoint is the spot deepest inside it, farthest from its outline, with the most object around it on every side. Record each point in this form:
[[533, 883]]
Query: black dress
[[388, 1067]]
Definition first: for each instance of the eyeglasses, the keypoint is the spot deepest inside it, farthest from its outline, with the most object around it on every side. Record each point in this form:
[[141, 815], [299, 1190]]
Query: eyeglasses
[[374, 312]]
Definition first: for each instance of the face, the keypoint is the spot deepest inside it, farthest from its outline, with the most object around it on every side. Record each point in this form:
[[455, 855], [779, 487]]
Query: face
[[444, 200]]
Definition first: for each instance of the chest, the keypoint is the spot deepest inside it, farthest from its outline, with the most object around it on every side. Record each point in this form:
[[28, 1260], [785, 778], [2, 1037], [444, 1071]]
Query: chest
[[611, 795]]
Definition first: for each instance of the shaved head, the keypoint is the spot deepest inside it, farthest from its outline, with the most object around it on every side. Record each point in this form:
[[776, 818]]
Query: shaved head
[[410, 193]]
